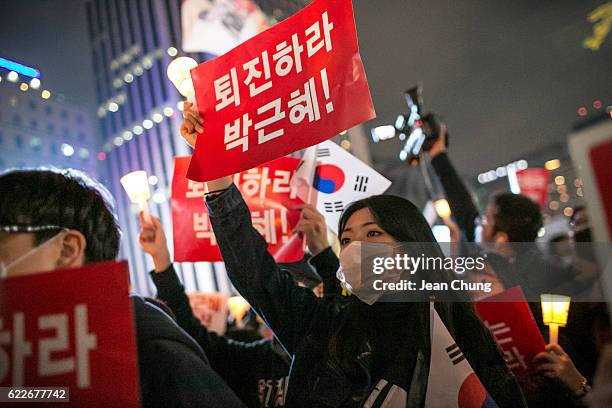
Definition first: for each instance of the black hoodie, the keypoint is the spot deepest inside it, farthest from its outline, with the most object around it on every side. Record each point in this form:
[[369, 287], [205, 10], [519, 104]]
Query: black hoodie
[[256, 371]]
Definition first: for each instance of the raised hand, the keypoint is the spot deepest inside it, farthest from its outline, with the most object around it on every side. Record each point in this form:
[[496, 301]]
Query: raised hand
[[192, 124], [152, 239], [313, 227]]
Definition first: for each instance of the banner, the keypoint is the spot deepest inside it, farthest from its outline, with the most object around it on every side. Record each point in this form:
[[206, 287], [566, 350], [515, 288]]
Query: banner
[[211, 309], [533, 183], [266, 191], [337, 178], [217, 26], [508, 317], [71, 328], [295, 85]]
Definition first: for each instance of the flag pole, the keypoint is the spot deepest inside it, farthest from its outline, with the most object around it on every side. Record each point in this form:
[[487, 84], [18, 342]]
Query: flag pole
[[310, 184]]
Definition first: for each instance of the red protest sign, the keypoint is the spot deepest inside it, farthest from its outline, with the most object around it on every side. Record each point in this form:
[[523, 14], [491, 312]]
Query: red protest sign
[[600, 161], [295, 85], [534, 184], [508, 317], [71, 328], [269, 196]]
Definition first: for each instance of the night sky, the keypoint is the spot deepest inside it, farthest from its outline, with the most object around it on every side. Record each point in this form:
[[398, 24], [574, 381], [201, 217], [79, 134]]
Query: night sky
[[508, 76]]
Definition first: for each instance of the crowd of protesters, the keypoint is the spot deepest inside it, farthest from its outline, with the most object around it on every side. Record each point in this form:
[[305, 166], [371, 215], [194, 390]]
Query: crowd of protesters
[[329, 348]]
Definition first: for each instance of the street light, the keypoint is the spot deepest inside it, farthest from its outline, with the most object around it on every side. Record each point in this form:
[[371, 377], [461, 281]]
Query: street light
[[136, 185], [555, 309], [179, 74]]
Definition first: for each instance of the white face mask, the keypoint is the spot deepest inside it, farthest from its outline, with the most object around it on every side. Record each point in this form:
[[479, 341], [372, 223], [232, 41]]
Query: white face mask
[[4, 269], [360, 283]]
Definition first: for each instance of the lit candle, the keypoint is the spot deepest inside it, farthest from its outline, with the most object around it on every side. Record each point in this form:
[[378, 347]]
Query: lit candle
[[555, 309], [136, 185], [179, 73]]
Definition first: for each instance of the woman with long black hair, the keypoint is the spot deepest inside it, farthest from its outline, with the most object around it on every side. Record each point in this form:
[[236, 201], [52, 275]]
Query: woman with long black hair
[[350, 354]]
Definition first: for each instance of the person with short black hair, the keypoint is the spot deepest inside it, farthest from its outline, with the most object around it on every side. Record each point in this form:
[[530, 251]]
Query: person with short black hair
[[52, 219], [512, 218], [511, 225]]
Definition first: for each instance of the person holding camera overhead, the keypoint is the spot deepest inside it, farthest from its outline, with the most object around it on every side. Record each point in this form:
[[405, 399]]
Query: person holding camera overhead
[[349, 353]]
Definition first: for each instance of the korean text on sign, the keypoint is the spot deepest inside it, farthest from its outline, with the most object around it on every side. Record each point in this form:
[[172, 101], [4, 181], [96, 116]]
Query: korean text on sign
[[510, 321], [287, 88], [54, 334], [268, 193]]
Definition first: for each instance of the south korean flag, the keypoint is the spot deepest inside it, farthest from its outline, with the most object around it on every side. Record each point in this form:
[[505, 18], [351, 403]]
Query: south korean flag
[[334, 178], [452, 381]]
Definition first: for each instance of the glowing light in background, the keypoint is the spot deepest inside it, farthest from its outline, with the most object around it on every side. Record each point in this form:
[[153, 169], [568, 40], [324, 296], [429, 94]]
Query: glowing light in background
[[12, 76], [83, 153], [67, 150], [35, 83], [157, 117], [552, 164]]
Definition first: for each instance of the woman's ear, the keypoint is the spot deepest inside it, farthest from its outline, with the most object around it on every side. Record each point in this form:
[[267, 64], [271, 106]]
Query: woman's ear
[[72, 250]]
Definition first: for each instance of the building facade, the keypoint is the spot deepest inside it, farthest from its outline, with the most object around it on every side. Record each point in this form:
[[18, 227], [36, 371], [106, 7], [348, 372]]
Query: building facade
[[38, 129], [132, 43]]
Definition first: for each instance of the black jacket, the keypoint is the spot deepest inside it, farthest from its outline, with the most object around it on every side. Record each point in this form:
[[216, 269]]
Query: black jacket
[[305, 325], [459, 199], [174, 371], [257, 371], [326, 264]]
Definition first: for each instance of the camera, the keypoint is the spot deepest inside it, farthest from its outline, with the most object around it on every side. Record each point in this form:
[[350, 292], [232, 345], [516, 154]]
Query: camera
[[418, 131]]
